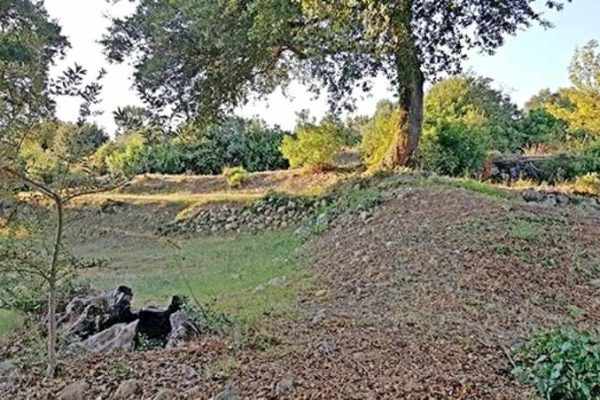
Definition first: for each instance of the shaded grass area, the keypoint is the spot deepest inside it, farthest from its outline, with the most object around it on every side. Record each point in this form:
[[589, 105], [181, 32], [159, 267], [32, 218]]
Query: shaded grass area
[[247, 277]]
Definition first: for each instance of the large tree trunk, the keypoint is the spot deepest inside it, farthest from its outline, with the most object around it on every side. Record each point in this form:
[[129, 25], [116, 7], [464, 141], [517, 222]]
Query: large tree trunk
[[411, 125], [411, 97]]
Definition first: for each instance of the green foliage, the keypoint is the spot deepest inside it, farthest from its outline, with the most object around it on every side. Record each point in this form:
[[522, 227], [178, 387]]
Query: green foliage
[[314, 146], [129, 156], [562, 364], [454, 149], [55, 148], [471, 101], [29, 43], [588, 183], [266, 44], [539, 126], [470, 184], [206, 317], [236, 176], [202, 150], [380, 134]]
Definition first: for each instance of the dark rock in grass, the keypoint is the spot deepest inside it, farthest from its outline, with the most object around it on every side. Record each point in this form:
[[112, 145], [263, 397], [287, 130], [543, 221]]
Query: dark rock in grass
[[86, 316], [155, 323], [105, 323]]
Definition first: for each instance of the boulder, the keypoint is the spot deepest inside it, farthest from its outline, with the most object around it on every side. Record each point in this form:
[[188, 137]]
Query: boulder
[[183, 330], [86, 316], [118, 337]]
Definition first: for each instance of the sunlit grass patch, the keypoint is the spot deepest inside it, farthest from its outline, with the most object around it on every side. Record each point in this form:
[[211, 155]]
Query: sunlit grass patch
[[248, 276]]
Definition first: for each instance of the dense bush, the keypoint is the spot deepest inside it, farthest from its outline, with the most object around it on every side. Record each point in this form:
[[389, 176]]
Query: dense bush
[[472, 101], [314, 146], [202, 150], [380, 133], [562, 364], [454, 149], [539, 127]]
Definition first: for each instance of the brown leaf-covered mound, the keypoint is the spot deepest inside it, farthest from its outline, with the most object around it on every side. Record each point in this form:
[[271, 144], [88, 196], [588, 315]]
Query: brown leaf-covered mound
[[421, 300]]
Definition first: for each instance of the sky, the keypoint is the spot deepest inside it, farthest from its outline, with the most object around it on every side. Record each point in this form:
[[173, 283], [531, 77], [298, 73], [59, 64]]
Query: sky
[[533, 60]]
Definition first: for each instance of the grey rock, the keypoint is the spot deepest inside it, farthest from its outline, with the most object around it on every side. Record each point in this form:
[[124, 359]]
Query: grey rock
[[86, 316], [118, 337], [562, 200], [7, 367], [75, 391], [327, 347], [284, 387], [183, 330], [231, 227], [319, 317], [128, 390], [550, 201]]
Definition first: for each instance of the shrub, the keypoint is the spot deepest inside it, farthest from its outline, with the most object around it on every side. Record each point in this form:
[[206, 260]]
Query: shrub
[[313, 146], [539, 127], [472, 101], [588, 183], [380, 133], [562, 364], [100, 157], [236, 176], [454, 149], [128, 158], [236, 141]]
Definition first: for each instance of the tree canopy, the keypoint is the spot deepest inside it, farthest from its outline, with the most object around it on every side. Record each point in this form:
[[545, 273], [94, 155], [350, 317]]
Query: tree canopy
[[201, 59], [29, 44]]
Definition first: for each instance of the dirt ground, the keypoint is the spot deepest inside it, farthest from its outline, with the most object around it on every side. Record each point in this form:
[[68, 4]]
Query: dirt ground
[[421, 299]]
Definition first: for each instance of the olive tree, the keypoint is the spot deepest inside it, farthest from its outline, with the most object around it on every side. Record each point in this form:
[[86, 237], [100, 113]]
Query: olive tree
[[202, 58]]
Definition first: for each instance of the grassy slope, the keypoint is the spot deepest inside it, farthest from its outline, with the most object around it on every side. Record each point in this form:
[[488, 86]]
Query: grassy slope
[[225, 271]]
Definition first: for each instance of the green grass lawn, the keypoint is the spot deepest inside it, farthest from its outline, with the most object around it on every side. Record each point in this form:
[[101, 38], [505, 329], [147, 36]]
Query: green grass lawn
[[230, 273]]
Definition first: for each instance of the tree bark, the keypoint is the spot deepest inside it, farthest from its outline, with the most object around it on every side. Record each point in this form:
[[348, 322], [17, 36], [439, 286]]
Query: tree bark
[[52, 287], [410, 81], [411, 98]]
